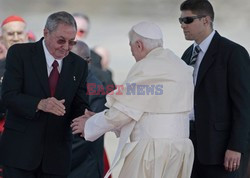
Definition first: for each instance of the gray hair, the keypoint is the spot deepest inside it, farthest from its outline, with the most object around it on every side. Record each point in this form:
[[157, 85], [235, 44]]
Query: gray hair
[[148, 43], [57, 18], [81, 49]]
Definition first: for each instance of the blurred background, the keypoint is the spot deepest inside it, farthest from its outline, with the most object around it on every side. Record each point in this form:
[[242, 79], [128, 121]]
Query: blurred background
[[112, 19]]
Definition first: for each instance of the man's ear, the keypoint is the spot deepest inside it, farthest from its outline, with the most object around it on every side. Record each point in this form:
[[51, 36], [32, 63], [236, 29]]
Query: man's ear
[[206, 20], [45, 32], [139, 45]]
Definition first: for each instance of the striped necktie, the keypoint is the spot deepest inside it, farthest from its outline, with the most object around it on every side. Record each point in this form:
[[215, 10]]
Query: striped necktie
[[195, 54]]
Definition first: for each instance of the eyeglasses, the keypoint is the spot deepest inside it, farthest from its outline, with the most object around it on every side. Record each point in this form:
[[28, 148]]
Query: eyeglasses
[[63, 41], [189, 20]]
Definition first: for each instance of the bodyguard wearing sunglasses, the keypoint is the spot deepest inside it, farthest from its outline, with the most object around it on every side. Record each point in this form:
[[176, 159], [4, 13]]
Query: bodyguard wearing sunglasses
[[219, 122], [44, 88]]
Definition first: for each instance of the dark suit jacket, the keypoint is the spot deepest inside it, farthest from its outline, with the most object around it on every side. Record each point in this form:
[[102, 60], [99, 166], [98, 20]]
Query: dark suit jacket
[[104, 76], [221, 100], [87, 157], [31, 138]]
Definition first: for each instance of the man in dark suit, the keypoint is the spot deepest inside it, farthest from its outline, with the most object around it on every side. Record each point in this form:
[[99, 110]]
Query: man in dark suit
[[44, 88], [83, 29], [13, 31], [87, 157], [220, 119]]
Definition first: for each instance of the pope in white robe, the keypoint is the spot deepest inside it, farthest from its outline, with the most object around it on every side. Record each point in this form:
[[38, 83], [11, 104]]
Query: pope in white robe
[[150, 109]]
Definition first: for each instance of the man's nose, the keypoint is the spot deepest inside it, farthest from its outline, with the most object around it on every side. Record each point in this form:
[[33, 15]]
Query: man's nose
[[16, 37], [66, 46]]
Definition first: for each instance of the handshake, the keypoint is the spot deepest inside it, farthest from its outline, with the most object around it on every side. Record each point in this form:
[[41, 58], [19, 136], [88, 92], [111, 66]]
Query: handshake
[[78, 123]]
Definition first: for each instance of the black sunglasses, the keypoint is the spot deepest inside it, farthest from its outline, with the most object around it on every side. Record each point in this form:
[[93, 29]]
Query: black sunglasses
[[188, 20]]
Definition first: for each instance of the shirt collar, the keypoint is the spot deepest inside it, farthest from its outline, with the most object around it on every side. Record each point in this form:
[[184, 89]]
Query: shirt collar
[[49, 58], [206, 42]]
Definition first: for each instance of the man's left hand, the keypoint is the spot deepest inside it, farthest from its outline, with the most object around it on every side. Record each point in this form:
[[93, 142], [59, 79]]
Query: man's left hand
[[232, 160]]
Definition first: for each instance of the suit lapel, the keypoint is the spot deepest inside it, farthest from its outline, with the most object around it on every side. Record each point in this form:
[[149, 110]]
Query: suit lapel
[[187, 54], [66, 76], [208, 59], [40, 66]]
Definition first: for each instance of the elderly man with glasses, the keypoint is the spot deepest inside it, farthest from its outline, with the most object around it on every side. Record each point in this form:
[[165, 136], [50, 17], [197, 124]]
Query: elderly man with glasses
[[44, 88]]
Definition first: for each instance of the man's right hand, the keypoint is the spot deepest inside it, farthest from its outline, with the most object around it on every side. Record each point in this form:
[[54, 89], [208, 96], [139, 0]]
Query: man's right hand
[[52, 105], [78, 124]]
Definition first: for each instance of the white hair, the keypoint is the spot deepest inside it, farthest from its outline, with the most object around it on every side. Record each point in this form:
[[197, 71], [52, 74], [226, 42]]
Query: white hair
[[148, 43]]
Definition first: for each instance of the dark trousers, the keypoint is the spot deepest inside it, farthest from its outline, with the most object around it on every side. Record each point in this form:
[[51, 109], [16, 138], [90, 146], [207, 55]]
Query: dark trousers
[[10, 172], [207, 171]]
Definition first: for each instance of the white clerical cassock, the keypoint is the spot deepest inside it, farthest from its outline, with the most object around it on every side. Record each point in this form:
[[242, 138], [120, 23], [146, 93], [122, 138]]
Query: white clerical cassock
[[152, 110]]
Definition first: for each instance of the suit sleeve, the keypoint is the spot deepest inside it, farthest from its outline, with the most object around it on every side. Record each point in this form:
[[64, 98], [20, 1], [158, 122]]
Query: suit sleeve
[[12, 95], [80, 101], [239, 90], [187, 54], [97, 99]]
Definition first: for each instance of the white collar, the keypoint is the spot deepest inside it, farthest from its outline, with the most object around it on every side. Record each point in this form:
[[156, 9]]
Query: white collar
[[49, 58], [206, 42]]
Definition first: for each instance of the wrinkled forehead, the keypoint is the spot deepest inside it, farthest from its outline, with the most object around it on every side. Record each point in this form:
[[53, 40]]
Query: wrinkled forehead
[[64, 31], [16, 26]]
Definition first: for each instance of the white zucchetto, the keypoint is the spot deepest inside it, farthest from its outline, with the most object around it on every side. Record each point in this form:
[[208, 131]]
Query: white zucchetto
[[148, 30]]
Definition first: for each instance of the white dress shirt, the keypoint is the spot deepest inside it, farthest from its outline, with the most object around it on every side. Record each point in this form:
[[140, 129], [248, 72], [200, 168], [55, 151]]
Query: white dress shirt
[[50, 59], [204, 46]]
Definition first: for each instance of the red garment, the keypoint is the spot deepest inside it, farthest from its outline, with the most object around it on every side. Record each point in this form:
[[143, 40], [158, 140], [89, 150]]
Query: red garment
[[1, 125], [106, 163], [13, 18], [53, 78]]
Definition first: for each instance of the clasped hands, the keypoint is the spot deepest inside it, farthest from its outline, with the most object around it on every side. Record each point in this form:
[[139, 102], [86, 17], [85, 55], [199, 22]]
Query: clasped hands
[[78, 123], [52, 105]]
